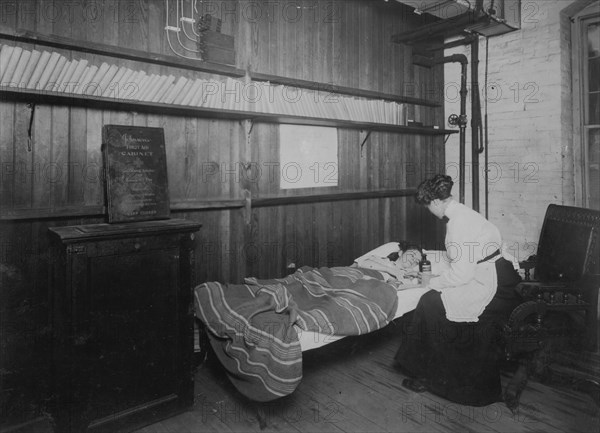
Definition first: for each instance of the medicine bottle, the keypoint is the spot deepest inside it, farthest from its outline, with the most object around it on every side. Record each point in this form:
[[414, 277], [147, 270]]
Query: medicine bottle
[[425, 270]]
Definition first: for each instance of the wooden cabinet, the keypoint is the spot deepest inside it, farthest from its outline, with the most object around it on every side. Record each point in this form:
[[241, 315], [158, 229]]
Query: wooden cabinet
[[122, 320]]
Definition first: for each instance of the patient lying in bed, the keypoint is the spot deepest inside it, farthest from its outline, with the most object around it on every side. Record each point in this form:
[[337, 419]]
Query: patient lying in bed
[[396, 261], [259, 329], [398, 264]]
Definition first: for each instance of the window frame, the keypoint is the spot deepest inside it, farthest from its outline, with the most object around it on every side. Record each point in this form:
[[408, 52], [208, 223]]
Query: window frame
[[581, 125]]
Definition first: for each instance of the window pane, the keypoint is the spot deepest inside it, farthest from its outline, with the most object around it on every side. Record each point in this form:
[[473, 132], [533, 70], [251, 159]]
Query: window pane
[[594, 109], [594, 169], [593, 33], [594, 74]]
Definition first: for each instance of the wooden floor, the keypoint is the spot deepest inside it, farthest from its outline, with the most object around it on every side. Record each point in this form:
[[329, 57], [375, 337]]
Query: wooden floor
[[351, 386]]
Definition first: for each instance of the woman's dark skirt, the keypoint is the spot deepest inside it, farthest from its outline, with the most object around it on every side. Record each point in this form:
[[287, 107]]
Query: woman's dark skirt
[[459, 361]]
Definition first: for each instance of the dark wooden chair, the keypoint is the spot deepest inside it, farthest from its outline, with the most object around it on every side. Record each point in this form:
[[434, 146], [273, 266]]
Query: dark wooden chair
[[560, 302]]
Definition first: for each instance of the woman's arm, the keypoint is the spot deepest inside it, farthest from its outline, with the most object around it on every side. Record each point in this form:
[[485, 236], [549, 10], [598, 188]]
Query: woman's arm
[[439, 261], [382, 265], [468, 240]]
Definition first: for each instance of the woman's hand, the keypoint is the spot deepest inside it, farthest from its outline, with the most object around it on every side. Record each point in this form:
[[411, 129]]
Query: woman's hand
[[424, 278]]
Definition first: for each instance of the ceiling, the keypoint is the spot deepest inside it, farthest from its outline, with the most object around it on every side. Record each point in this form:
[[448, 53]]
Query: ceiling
[[453, 17]]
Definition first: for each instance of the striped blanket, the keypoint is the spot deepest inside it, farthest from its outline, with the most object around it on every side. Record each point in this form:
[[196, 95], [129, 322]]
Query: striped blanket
[[251, 326]]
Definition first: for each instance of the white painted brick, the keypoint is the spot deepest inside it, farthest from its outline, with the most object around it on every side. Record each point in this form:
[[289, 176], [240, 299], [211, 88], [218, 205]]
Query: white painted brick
[[522, 131]]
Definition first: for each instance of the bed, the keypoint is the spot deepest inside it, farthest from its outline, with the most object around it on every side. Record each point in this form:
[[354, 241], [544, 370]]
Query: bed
[[259, 329], [407, 301]]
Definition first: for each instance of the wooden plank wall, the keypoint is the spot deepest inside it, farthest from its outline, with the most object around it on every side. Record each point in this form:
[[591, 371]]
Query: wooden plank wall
[[339, 42]]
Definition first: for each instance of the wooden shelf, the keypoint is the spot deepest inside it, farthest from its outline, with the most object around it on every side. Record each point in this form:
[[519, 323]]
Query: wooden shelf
[[123, 53], [327, 198], [21, 214], [59, 98], [177, 206], [110, 103], [31, 37], [95, 211], [342, 90]]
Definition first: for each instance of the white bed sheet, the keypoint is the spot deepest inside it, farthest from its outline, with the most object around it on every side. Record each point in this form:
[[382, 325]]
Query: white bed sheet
[[407, 301]]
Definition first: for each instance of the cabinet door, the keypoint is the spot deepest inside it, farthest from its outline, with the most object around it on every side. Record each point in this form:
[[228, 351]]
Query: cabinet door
[[134, 324]]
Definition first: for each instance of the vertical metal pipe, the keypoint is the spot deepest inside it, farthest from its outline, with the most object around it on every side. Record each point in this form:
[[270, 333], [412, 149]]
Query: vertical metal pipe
[[486, 142], [462, 131], [462, 59], [475, 122]]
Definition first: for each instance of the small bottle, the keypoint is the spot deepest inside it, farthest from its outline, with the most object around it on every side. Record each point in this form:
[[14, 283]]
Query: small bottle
[[425, 270]]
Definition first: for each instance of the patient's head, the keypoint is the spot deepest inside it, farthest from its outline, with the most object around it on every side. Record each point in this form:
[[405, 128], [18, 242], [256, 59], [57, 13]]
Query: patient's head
[[408, 257]]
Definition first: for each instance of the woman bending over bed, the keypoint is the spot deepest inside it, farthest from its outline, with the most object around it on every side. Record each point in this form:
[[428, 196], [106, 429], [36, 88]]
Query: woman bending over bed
[[450, 347]]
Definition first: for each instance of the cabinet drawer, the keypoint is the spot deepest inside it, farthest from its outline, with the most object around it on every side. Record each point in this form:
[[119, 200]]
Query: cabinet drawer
[[132, 245]]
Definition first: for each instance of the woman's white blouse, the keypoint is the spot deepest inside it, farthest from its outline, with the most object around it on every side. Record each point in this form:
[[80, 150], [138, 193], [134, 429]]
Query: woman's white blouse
[[466, 287]]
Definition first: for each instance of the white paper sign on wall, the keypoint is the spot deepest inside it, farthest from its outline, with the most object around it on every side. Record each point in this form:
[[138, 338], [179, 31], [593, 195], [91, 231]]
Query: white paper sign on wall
[[308, 156]]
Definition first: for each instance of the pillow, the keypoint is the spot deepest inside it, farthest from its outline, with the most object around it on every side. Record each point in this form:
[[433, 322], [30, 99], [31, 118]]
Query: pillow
[[381, 251]]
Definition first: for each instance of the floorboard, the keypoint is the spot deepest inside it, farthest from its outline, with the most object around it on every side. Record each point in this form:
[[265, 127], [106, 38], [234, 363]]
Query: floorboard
[[352, 386]]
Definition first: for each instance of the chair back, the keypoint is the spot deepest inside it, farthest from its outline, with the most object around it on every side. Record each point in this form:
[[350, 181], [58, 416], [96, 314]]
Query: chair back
[[569, 244]]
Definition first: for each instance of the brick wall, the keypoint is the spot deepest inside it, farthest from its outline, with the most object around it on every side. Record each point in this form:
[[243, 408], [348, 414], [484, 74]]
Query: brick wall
[[530, 125]]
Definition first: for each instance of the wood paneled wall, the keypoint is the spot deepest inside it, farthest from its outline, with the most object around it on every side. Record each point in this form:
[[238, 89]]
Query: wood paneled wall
[[345, 43]]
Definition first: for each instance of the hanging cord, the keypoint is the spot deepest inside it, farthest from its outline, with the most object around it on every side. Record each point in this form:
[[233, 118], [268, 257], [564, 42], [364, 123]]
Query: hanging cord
[[485, 102], [30, 129], [491, 10], [479, 122]]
